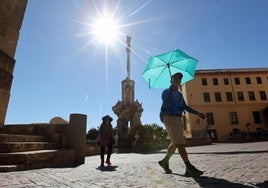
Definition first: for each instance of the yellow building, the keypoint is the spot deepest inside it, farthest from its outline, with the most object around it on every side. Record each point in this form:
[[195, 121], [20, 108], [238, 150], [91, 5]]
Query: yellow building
[[231, 99], [11, 16]]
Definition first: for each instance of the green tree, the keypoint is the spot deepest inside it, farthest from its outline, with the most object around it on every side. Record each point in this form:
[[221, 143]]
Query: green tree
[[92, 134], [159, 132]]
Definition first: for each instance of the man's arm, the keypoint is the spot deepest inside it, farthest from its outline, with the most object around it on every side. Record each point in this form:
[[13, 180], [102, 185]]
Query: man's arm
[[191, 110]]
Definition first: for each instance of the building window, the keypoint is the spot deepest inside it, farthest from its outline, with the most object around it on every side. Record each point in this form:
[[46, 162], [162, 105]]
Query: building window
[[215, 81], [226, 81], [240, 96], [229, 96], [218, 97], [263, 95], [204, 82], [248, 81], [233, 118], [258, 79], [210, 118], [237, 81], [251, 96], [206, 97], [257, 117]]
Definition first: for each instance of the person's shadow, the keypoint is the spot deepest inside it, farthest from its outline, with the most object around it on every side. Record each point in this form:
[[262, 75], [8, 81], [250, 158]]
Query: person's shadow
[[212, 182], [107, 168]]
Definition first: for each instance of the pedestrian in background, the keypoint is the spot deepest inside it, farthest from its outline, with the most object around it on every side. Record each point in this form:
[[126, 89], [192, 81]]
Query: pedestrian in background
[[171, 115], [106, 139]]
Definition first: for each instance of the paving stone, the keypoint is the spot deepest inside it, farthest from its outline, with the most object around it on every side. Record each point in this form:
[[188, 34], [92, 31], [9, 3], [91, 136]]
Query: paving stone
[[225, 165]]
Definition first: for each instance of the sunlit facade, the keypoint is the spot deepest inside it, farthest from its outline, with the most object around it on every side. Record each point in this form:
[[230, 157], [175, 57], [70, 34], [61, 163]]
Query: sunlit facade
[[231, 98]]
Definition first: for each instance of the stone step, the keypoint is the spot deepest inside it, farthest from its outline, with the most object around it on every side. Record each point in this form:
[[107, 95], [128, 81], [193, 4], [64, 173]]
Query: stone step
[[36, 159], [17, 129], [8, 168], [6, 147], [20, 138], [15, 158]]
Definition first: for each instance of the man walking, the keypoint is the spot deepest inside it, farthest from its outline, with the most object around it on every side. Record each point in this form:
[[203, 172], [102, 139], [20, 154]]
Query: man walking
[[171, 112]]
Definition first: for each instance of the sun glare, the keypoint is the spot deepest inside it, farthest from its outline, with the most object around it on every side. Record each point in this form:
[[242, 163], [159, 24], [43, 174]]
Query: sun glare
[[103, 26], [106, 29]]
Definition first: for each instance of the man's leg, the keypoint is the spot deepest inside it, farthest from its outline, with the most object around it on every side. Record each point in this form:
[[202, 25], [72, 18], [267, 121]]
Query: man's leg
[[170, 151], [171, 124], [190, 169], [182, 152], [164, 162]]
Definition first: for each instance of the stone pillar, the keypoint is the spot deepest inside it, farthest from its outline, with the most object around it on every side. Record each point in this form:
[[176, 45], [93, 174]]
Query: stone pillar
[[77, 136], [11, 17], [128, 56], [6, 70]]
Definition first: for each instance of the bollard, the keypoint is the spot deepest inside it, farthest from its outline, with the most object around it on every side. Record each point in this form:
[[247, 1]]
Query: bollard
[[77, 136]]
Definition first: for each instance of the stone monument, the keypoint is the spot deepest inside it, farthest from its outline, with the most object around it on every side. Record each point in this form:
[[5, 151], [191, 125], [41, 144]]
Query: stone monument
[[128, 110]]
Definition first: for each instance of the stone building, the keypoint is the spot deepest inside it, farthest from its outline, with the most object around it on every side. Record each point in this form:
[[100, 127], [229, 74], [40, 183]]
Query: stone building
[[128, 110], [11, 17], [230, 98]]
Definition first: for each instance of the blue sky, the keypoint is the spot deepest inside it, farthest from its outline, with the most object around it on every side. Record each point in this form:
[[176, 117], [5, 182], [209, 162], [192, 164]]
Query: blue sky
[[61, 70]]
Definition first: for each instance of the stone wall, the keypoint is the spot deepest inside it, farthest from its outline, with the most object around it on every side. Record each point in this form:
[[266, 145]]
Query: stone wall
[[70, 136], [92, 149], [197, 141]]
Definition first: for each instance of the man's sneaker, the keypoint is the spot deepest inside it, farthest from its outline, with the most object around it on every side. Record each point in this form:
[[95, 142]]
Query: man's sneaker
[[102, 164], [109, 162], [164, 165], [191, 171]]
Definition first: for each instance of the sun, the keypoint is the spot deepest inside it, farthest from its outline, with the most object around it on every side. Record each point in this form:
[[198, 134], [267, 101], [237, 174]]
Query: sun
[[104, 24], [106, 29]]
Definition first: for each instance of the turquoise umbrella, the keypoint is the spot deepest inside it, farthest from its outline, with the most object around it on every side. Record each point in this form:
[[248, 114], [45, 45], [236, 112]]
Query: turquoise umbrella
[[160, 68]]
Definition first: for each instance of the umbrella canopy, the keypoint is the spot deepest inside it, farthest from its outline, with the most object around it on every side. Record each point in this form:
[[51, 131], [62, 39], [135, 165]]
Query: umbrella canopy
[[160, 68]]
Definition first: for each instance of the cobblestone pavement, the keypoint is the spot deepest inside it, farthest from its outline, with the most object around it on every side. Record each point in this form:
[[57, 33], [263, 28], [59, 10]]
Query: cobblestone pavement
[[225, 165]]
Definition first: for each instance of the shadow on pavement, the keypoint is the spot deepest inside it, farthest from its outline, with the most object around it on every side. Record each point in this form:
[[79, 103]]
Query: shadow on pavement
[[212, 182], [230, 152], [107, 168], [263, 184], [215, 153], [182, 175]]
